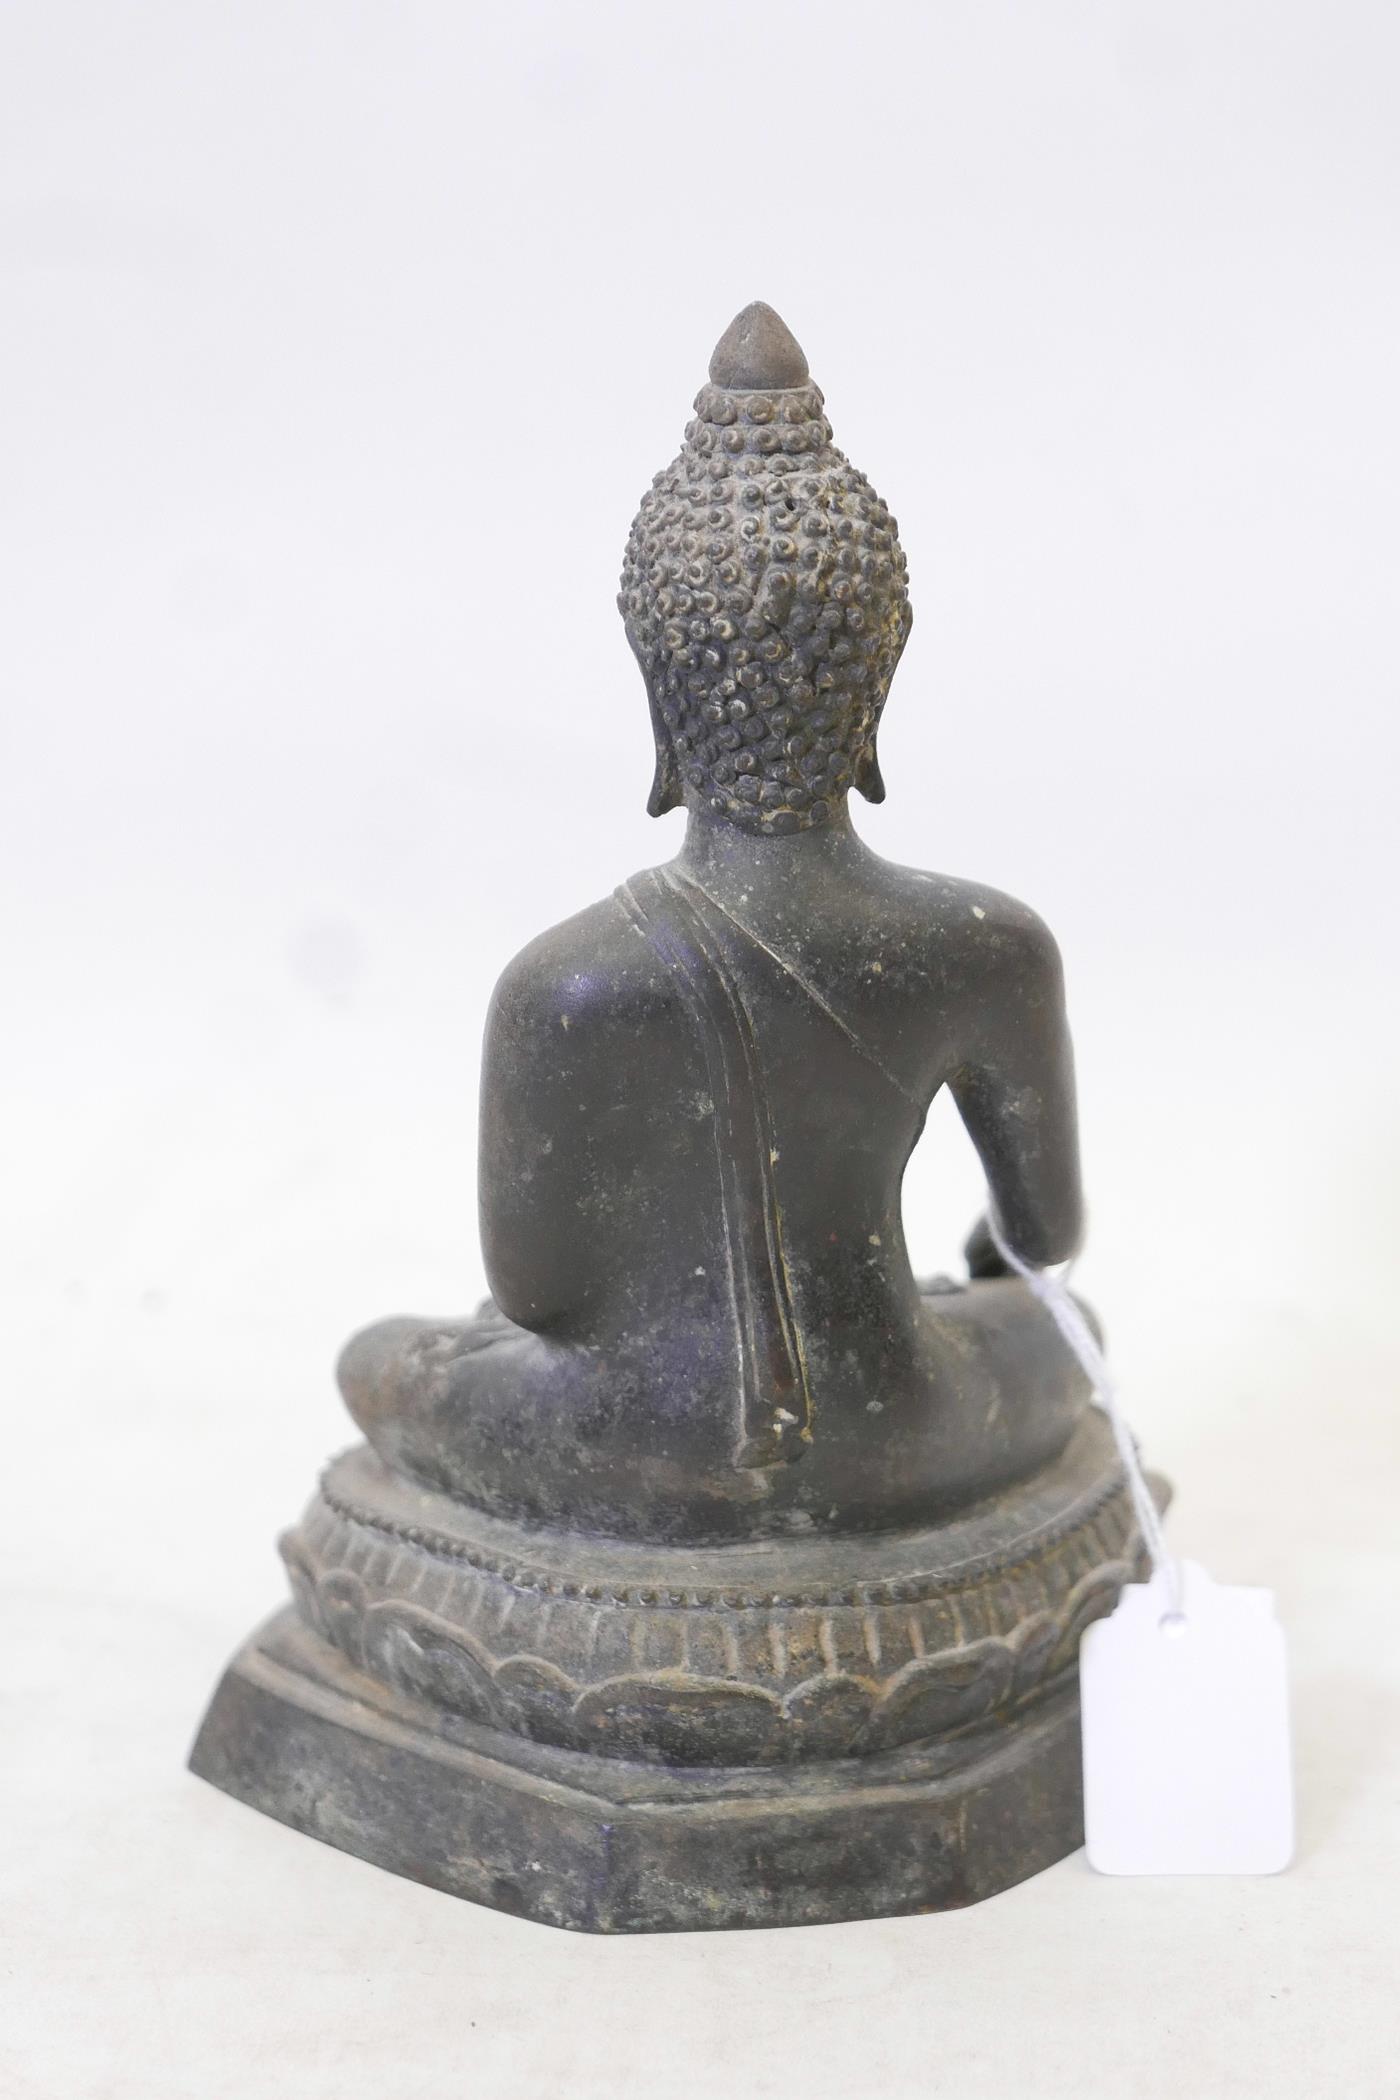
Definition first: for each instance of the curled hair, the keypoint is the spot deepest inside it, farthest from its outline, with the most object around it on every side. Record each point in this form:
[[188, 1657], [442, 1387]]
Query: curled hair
[[765, 594]]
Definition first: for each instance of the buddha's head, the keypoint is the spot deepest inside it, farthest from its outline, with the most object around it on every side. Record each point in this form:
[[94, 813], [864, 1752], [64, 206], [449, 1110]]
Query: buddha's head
[[764, 591]]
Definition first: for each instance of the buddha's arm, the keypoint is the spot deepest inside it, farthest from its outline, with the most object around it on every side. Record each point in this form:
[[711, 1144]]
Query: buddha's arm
[[1015, 1093], [530, 1174]]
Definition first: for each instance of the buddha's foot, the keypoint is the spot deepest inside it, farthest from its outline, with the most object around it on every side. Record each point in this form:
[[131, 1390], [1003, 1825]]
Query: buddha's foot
[[618, 1737]]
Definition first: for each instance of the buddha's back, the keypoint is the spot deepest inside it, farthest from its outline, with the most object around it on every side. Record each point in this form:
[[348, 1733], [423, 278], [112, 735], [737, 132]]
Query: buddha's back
[[698, 1100], [818, 995]]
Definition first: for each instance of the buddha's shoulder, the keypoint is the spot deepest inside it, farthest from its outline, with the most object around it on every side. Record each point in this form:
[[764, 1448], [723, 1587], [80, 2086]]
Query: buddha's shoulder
[[946, 915], [591, 965]]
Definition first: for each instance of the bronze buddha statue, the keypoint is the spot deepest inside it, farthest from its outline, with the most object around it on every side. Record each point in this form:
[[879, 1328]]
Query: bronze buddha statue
[[700, 1094], [712, 1489]]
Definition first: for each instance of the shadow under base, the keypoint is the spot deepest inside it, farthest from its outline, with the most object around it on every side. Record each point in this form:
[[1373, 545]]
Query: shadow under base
[[597, 1844]]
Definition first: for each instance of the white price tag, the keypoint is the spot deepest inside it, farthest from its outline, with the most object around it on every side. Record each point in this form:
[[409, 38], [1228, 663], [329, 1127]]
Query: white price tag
[[1186, 1738]]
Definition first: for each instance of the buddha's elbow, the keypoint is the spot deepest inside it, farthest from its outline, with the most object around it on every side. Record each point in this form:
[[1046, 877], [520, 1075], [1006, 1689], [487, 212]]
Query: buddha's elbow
[[1044, 1227], [1057, 1235], [522, 1298]]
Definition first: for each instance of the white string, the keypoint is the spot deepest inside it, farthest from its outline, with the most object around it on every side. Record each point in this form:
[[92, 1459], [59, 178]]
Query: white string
[[1051, 1292]]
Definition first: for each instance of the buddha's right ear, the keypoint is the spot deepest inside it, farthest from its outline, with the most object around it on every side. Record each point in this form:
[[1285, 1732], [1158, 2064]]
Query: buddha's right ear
[[869, 780], [666, 780]]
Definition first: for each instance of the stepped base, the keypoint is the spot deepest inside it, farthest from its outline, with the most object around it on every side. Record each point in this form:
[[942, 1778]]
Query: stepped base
[[602, 1844], [629, 1737]]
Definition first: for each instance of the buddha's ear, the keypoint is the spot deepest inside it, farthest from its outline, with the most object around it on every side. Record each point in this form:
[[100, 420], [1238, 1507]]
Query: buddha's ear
[[666, 780], [869, 781]]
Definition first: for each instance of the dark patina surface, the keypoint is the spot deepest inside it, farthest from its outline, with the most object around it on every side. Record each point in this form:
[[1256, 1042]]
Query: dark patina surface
[[716, 1571]]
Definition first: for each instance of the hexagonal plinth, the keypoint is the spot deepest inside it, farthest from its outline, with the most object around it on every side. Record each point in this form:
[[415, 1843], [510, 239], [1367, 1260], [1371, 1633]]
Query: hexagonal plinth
[[602, 1844]]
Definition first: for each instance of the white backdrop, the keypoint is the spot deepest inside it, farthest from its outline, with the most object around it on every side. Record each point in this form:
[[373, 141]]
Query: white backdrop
[[339, 342]]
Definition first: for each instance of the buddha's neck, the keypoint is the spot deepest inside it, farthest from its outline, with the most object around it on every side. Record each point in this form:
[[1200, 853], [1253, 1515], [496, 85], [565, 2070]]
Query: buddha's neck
[[724, 858]]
